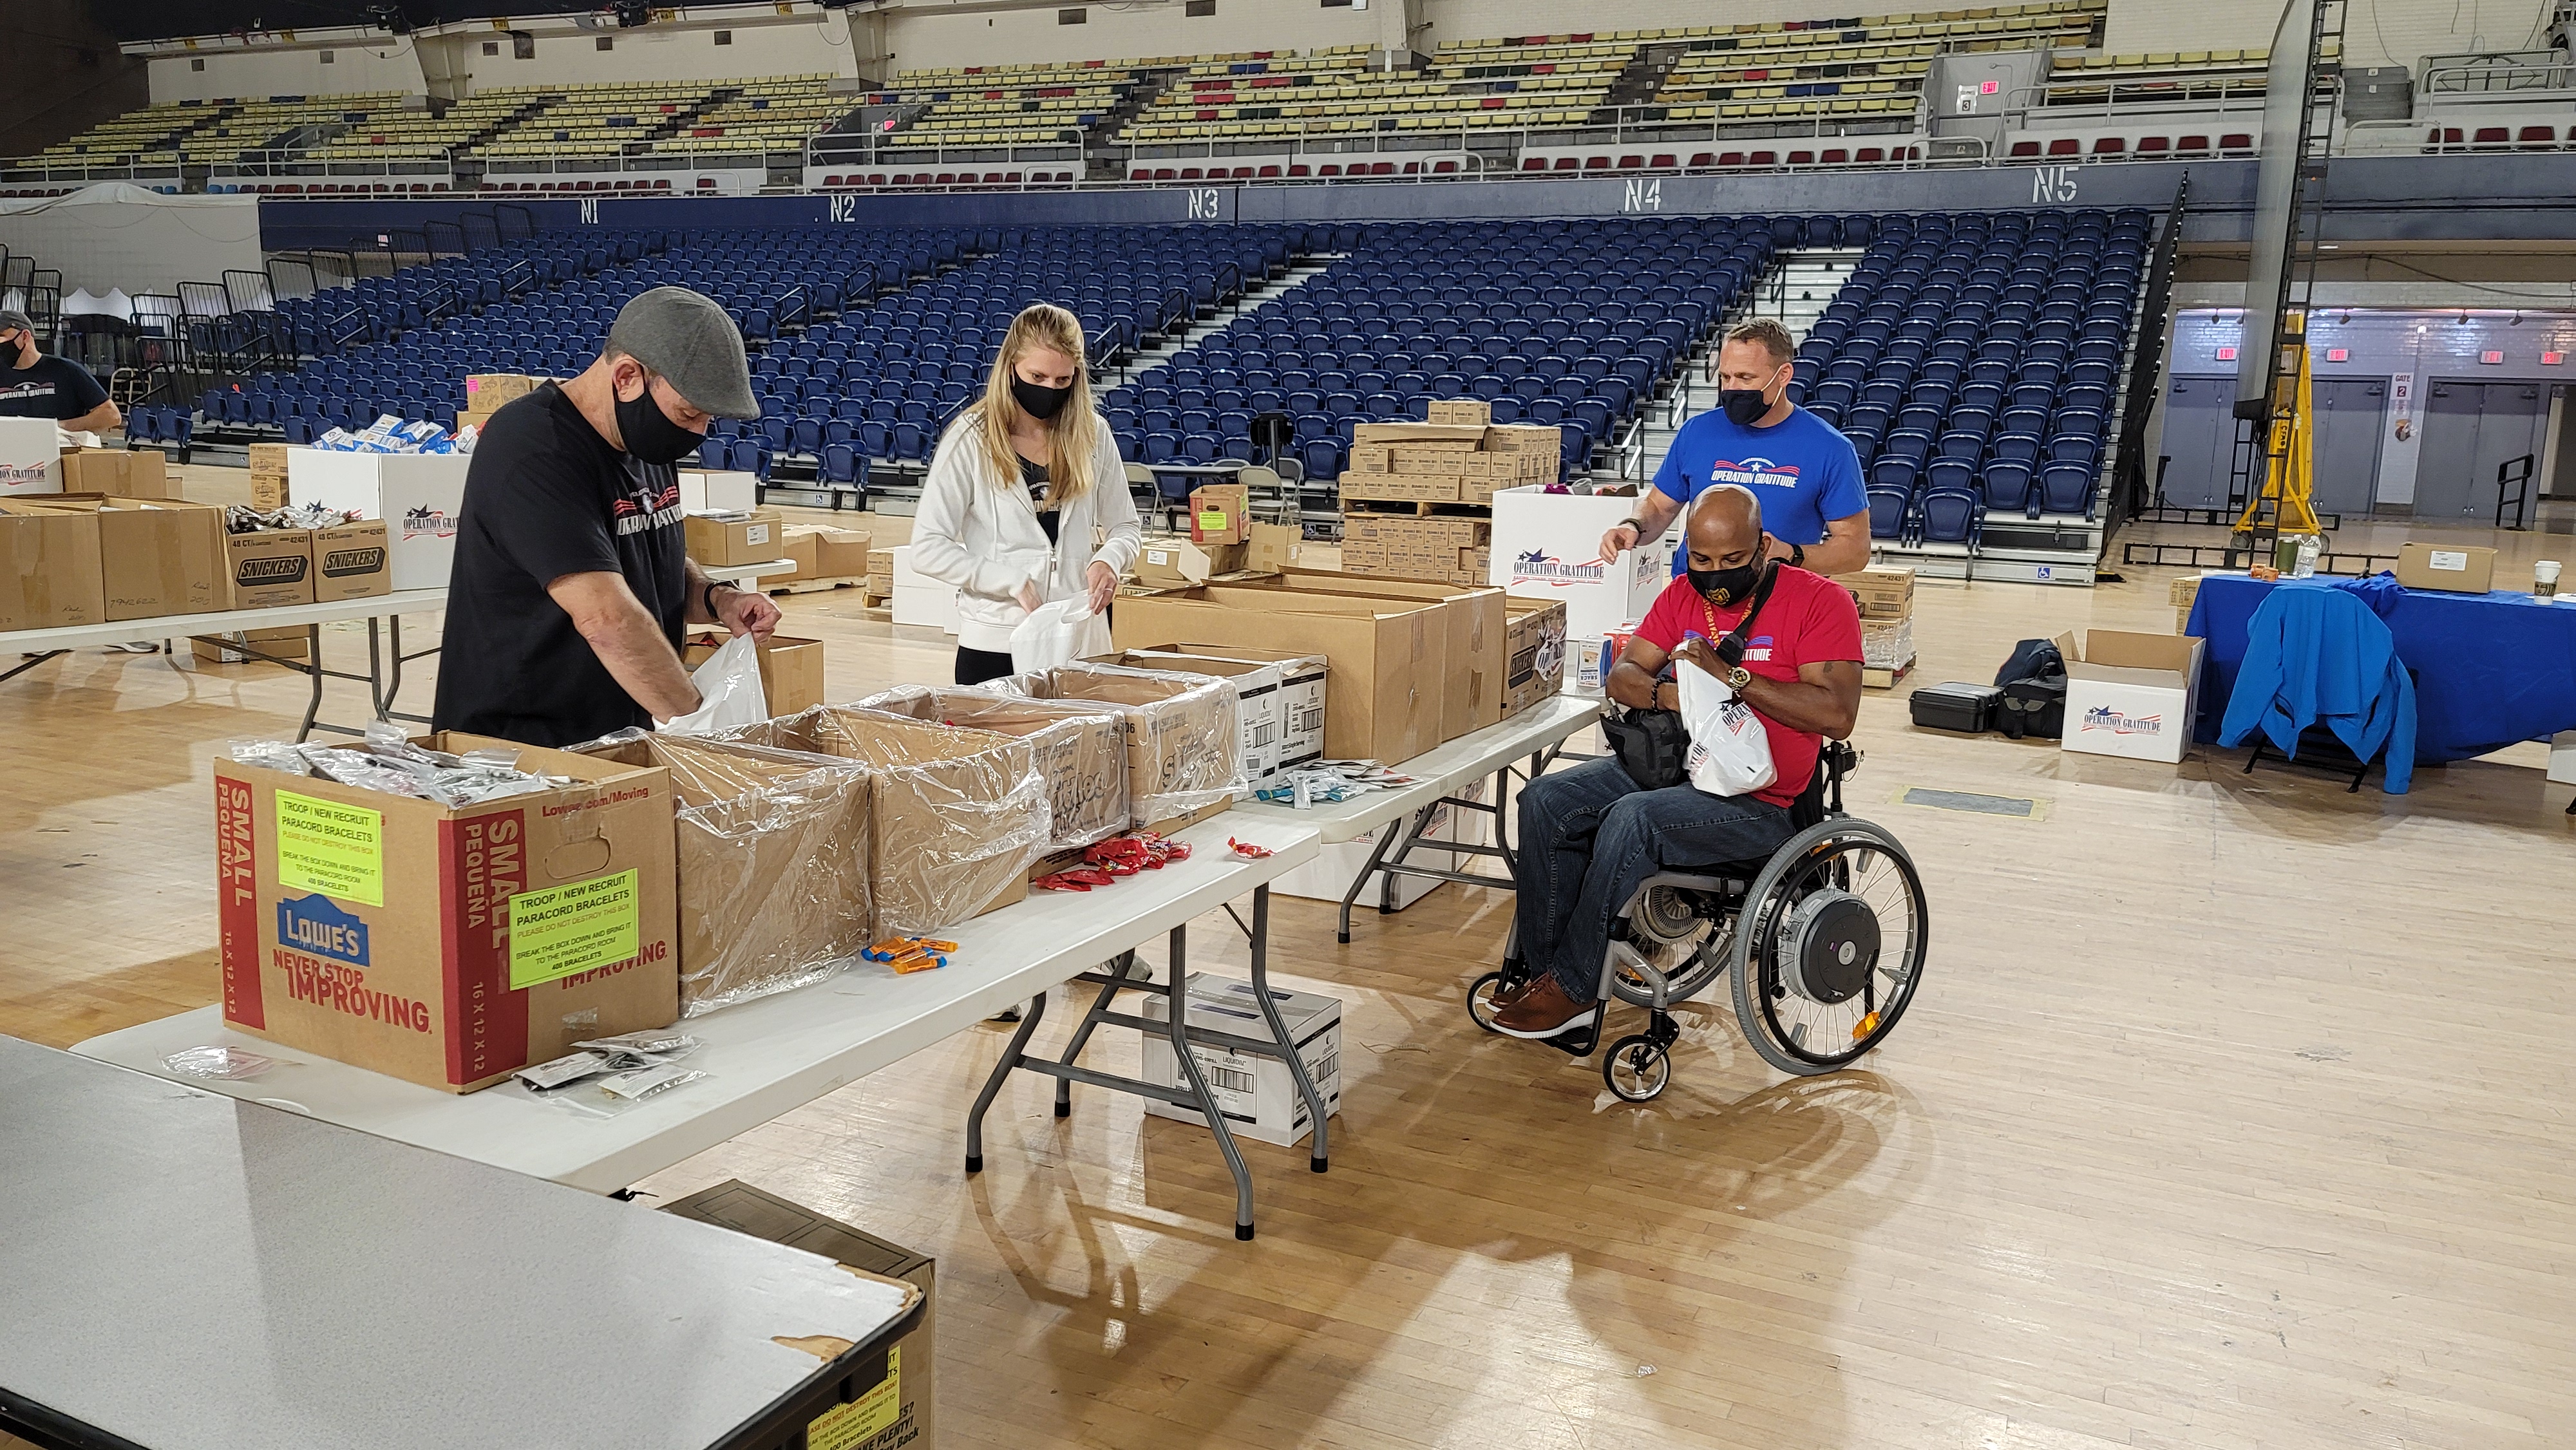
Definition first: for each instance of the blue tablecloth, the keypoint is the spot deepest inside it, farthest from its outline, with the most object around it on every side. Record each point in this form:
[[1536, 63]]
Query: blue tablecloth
[[2490, 669]]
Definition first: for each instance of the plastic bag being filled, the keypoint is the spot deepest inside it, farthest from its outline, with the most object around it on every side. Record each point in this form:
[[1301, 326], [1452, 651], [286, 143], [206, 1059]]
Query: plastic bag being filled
[[1058, 633], [1730, 753], [729, 691]]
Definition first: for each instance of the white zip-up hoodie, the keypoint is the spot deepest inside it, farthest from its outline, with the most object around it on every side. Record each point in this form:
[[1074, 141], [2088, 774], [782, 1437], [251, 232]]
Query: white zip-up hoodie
[[979, 531]]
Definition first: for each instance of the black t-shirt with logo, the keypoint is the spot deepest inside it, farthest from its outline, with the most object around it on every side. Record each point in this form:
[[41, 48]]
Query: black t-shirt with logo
[[55, 388], [545, 496]]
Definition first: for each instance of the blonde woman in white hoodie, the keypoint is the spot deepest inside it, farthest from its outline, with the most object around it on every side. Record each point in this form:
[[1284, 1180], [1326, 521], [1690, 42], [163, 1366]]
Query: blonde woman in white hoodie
[[1026, 501]]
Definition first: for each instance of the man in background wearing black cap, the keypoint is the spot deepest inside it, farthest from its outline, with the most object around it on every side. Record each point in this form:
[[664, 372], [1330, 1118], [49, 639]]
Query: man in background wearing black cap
[[571, 585], [33, 385]]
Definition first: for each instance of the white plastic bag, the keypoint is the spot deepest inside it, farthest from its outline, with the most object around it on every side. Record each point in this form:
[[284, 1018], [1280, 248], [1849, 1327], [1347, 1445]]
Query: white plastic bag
[[1729, 752], [1058, 633], [729, 691]]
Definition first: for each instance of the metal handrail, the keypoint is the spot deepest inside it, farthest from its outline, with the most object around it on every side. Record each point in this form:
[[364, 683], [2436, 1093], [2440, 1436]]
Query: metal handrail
[[2478, 76], [2028, 100], [1631, 451], [2521, 483]]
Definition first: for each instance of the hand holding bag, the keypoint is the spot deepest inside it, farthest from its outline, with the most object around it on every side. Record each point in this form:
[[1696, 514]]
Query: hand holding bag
[[729, 691]]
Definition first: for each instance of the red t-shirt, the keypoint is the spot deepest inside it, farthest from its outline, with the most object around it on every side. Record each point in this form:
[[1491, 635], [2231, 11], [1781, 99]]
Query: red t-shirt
[[1808, 618]]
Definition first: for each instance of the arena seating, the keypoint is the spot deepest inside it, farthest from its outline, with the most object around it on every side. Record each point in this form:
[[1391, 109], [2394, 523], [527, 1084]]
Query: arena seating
[[1974, 360], [2195, 76], [774, 114], [1331, 92], [219, 130], [1872, 67]]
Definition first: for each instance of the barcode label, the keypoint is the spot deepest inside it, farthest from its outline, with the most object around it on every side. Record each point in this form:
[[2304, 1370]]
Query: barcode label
[[1227, 1079], [1322, 1072], [1258, 733]]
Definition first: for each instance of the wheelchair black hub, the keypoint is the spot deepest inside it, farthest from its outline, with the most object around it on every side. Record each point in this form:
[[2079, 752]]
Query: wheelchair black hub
[[1828, 946]]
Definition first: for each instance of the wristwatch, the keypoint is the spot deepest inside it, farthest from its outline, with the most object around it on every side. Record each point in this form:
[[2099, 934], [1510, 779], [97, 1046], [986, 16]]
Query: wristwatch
[[1798, 556], [1737, 678], [1632, 522]]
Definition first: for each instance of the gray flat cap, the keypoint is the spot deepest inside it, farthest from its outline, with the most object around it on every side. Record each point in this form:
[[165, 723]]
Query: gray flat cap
[[13, 320], [687, 338]]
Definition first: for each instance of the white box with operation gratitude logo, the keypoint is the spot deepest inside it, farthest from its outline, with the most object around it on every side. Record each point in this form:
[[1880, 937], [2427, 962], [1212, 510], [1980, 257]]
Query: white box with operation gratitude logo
[[418, 495], [1548, 546], [2131, 695]]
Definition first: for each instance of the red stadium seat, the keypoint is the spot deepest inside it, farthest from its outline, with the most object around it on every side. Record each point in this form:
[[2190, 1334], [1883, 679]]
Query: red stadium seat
[[1331, 168], [1443, 168], [1729, 160], [2152, 145], [2236, 143], [1702, 160], [1243, 173], [2191, 146], [706, 183], [2110, 146], [1382, 168], [2537, 138], [1762, 158], [1191, 173], [660, 184], [1632, 163], [1569, 163], [1802, 158], [1141, 173], [2066, 146], [2025, 148], [1413, 168], [1299, 168], [1835, 156], [1533, 163], [1268, 173], [1165, 173], [1869, 155]]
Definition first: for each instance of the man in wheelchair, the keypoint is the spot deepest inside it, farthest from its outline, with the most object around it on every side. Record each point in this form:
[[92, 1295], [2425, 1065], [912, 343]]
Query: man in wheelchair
[[1590, 835]]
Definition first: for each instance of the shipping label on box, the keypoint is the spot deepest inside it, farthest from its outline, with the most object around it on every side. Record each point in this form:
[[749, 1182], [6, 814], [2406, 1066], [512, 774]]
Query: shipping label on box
[[726, 541], [1256, 1093], [55, 580], [269, 568]]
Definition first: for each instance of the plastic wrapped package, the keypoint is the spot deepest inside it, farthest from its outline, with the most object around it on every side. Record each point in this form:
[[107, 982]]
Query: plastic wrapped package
[[1081, 749], [1184, 735], [774, 849], [957, 814]]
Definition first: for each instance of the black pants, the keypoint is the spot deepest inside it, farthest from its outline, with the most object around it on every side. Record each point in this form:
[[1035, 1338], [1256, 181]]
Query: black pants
[[977, 666]]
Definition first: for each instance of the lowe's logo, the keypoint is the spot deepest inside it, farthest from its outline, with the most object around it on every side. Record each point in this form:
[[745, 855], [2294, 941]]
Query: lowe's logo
[[317, 924], [2103, 717]]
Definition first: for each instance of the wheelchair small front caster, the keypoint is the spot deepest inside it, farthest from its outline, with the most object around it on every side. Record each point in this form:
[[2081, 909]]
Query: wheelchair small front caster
[[1637, 1069], [1480, 998]]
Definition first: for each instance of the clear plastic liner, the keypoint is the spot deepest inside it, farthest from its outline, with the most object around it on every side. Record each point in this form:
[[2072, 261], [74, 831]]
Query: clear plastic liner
[[241, 518], [774, 851], [1184, 733], [1081, 749], [958, 814], [388, 762]]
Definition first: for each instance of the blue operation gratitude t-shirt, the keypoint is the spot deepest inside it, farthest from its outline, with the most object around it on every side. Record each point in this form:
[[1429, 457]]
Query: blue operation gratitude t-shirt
[[1802, 469]]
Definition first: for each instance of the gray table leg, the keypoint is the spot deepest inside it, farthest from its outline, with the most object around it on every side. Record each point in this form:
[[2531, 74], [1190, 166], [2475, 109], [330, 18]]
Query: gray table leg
[[1320, 1157], [313, 667], [31, 662], [1178, 1023], [1394, 828], [1011, 1056], [1082, 1033]]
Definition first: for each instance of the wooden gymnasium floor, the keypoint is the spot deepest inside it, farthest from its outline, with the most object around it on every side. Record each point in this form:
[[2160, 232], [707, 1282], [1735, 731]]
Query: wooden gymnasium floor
[[2233, 1114]]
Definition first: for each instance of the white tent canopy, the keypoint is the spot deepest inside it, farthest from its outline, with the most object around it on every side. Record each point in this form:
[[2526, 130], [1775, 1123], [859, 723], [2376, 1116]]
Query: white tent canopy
[[116, 236]]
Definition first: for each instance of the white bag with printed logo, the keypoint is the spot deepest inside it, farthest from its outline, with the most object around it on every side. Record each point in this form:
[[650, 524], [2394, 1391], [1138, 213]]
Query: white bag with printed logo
[[1729, 752]]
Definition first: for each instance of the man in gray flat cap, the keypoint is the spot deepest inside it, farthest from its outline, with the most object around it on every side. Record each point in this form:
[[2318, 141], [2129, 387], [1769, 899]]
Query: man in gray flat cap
[[571, 586]]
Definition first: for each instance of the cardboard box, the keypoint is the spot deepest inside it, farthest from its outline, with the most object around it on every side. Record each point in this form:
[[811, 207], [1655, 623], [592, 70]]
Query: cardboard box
[[478, 421], [447, 947], [1444, 550], [1474, 411], [1258, 700], [30, 457], [880, 571], [352, 561], [1081, 749], [419, 496], [1184, 735], [55, 575], [1399, 487], [905, 1402], [1547, 546], [268, 475], [1534, 637], [1256, 1093], [268, 568], [791, 670], [237, 646], [716, 491], [1881, 593], [118, 472], [1449, 459], [1385, 657], [723, 541], [2464, 569], [1178, 563], [156, 556], [1477, 648], [1220, 513], [797, 549], [1301, 690], [1886, 644], [835, 553], [1274, 547], [1365, 435], [487, 392], [2132, 695]]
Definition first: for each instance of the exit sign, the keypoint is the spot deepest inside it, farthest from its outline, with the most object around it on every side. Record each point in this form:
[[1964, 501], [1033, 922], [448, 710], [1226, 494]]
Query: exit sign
[[2552, 359], [2338, 354], [2227, 354], [2491, 358], [1988, 88]]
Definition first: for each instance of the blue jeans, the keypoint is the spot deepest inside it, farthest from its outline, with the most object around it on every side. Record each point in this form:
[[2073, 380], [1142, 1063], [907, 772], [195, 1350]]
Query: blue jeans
[[1589, 836]]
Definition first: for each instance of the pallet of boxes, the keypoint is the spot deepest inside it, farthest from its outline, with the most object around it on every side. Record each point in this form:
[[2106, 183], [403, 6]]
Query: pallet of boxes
[[1417, 498], [1886, 600]]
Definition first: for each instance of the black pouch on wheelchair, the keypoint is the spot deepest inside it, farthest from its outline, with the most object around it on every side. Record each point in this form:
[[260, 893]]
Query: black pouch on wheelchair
[[1651, 745], [2033, 707]]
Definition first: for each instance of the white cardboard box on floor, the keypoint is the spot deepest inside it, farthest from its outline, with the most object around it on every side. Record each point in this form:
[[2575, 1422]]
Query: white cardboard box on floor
[[418, 495], [1548, 546], [1258, 1097], [920, 599], [31, 457], [2562, 757], [2131, 695]]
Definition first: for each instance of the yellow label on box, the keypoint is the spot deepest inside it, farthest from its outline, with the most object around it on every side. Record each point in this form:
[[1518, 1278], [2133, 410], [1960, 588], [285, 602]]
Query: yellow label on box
[[1211, 520], [331, 848], [844, 1427], [562, 930]]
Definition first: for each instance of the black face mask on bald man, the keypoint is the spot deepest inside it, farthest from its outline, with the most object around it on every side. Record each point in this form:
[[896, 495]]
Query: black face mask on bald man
[[650, 435]]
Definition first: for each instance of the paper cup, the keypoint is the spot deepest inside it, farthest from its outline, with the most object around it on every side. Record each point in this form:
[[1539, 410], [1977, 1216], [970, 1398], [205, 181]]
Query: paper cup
[[2544, 578]]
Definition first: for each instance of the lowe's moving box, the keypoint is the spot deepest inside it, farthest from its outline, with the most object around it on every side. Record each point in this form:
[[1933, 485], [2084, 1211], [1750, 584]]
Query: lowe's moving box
[[156, 556], [1385, 658], [1081, 749], [2132, 695], [54, 579], [31, 457], [418, 495], [1258, 1097], [1184, 735], [1301, 688], [446, 946], [1548, 546], [1478, 647]]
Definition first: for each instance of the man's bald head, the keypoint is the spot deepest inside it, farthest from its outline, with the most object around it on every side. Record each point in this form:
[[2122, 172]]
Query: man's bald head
[[1725, 528]]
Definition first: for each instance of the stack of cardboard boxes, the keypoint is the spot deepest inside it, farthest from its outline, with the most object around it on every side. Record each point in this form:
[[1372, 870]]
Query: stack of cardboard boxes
[[2182, 594], [1886, 599], [824, 552], [487, 393], [93, 559], [1416, 497]]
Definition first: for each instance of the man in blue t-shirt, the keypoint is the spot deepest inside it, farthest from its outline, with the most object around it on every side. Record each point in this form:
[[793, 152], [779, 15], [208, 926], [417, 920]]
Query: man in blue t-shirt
[[1802, 469]]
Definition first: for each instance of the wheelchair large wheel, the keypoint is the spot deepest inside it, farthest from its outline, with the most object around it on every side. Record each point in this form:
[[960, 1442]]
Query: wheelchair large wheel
[[1830, 947]]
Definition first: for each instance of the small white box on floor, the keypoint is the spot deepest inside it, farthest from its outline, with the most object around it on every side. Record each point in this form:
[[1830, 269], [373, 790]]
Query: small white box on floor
[[1548, 546], [1258, 1097], [2131, 695], [31, 457], [2562, 757], [1329, 875], [920, 599], [418, 495]]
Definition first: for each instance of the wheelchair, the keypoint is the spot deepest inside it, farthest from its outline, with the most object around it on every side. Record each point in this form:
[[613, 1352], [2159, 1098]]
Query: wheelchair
[[1823, 942]]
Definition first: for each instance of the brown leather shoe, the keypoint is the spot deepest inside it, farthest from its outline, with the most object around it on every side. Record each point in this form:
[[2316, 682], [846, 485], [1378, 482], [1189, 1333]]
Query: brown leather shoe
[[1543, 1010]]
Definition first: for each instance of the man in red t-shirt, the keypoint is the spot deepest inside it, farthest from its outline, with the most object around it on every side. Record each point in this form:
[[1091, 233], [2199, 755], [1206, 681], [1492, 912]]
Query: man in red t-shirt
[[1590, 836]]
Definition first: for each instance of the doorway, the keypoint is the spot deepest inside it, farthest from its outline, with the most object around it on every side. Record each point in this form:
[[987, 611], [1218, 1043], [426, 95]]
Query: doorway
[[2472, 429], [2344, 456], [2200, 437]]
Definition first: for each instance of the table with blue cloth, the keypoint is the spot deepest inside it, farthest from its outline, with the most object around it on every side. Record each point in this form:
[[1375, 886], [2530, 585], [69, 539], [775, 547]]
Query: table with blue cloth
[[2491, 670]]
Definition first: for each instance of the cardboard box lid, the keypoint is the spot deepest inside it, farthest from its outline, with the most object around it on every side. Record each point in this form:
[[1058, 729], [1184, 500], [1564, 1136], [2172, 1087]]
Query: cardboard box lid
[[2123, 657]]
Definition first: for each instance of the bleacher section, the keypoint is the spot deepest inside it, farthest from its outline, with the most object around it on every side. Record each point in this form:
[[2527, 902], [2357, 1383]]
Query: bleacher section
[[1870, 68], [1013, 106], [591, 121], [2169, 76], [1332, 93], [1974, 361], [774, 114], [220, 130]]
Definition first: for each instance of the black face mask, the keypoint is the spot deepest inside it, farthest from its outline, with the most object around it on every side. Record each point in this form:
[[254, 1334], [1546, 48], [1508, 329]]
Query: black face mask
[[1744, 406], [1726, 587], [651, 436], [1037, 400]]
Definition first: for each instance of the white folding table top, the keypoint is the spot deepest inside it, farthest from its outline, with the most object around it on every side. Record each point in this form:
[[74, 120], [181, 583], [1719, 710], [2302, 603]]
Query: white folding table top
[[223, 621], [1442, 771], [189, 1273], [763, 1057]]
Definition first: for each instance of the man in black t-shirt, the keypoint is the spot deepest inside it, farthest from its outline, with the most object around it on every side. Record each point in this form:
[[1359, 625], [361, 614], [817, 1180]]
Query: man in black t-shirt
[[33, 385], [570, 587]]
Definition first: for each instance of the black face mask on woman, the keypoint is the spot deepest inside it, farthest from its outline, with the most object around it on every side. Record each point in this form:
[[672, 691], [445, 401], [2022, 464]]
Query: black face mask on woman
[[651, 436], [1038, 400], [1724, 587]]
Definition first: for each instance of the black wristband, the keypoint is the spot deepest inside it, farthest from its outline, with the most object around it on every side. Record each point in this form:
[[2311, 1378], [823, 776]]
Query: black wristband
[[1632, 522], [707, 599], [1798, 556]]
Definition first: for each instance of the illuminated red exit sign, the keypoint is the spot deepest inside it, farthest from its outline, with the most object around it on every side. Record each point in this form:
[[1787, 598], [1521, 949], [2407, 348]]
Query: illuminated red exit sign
[[2491, 358], [2227, 354], [2552, 359], [2338, 354]]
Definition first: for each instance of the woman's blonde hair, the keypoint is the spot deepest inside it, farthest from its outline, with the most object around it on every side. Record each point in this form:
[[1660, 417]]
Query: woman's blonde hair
[[1073, 434]]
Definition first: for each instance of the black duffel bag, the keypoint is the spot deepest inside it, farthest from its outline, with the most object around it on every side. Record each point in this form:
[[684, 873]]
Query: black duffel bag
[[2033, 707], [1652, 746]]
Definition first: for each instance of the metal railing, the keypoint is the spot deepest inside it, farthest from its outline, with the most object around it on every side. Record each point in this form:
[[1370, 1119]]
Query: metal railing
[[55, 171], [2131, 98], [876, 150], [2521, 74], [2507, 477]]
